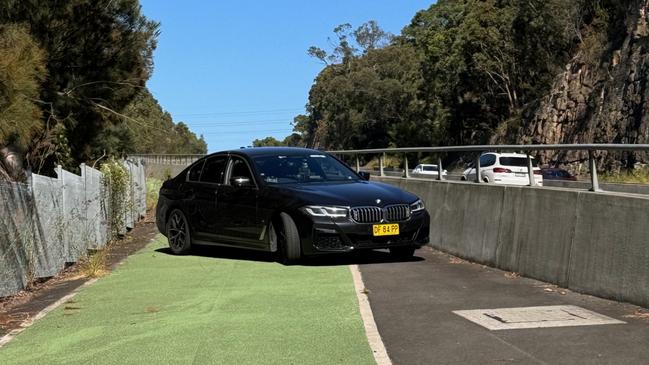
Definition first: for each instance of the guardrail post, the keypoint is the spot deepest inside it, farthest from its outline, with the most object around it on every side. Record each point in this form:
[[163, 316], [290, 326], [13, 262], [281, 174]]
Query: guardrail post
[[478, 178], [405, 166], [358, 164], [530, 170], [440, 169], [381, 159], [593, 171]]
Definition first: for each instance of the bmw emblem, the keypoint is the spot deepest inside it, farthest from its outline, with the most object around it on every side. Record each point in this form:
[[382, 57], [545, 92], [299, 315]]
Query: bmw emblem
[[378, 201]]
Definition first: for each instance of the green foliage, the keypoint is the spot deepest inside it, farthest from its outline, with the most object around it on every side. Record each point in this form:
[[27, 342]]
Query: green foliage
[[459, 72], [99, 55], [267, 142], [147, 128], [22, 69], [153, 186], [116, 183], [635, 176]]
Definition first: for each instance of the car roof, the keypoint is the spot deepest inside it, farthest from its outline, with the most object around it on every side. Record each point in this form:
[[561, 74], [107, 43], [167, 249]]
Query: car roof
[[270, 151], [510, 154]]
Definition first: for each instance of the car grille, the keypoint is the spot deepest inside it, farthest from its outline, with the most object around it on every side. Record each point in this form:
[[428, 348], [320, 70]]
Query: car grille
[[367, 214], [396, 213], [392, 213]]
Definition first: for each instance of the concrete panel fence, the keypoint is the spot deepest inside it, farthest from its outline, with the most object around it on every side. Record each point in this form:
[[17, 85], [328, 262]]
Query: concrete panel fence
[[49, 222], [594, 243]]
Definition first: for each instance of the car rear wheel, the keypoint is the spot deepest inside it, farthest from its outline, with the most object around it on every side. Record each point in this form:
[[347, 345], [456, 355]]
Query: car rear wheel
[[289, 240], [178, 233], [402, 252]]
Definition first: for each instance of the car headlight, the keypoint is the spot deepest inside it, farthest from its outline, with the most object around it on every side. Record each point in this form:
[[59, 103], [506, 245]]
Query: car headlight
[[417, 206], [326, 211]]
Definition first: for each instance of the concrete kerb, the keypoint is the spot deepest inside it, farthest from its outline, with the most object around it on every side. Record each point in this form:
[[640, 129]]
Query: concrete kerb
[[593, 243]]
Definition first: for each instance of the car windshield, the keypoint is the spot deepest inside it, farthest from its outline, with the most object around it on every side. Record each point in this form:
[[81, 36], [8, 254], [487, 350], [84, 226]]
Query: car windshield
[[516, 161], [305, 168]]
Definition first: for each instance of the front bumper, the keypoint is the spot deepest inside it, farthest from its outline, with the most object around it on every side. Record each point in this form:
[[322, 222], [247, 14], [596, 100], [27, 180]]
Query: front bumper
[[324, 235]]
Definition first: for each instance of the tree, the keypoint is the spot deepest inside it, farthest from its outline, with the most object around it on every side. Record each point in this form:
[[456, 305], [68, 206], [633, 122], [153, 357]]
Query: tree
[[153, 130], [267, 142], [368, 36], [22, 69], [99, 56]]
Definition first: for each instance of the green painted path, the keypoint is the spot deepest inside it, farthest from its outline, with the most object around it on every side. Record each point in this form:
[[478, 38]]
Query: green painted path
[[163, 309]]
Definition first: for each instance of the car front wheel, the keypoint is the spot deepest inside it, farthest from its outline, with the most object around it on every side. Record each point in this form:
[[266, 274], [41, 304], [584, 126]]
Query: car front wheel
[[289, 240], [178, 233]]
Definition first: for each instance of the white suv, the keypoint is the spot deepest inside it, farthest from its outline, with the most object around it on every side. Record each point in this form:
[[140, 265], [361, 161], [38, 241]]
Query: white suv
[[504, 168], [426, 169]]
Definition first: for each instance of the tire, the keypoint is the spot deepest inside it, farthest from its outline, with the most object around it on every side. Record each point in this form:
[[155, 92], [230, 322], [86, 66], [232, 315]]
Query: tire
[[289, 241], [178, 233], [463, 178], [486, 180], [402, 252]]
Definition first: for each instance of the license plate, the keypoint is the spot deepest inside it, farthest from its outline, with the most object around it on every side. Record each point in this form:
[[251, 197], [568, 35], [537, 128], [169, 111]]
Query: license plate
[[385, 229], [520, 174]]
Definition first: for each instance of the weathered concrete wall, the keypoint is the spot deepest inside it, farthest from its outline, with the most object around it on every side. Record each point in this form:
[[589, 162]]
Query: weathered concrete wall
[[595, 243], [163, 171]]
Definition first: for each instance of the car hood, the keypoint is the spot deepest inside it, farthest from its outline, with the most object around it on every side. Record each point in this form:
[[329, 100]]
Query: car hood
[[353, 194]]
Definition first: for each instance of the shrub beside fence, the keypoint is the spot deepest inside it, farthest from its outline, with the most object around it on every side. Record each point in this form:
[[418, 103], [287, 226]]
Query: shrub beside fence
[[49, 222]]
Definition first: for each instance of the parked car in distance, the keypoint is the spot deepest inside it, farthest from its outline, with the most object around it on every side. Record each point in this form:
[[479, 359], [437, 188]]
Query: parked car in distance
[[504, 168], [557, 174], [293, 201], [428, 169]]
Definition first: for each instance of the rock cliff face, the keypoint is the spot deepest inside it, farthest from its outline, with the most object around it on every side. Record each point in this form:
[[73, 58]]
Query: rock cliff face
[[605, 100]]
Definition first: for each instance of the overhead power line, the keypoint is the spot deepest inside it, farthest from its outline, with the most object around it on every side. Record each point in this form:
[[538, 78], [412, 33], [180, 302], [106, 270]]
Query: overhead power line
[[219, 123], [271, 111], [253, 132]]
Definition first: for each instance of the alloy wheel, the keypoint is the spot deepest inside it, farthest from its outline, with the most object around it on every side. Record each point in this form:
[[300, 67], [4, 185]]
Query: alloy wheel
[[177, 231]]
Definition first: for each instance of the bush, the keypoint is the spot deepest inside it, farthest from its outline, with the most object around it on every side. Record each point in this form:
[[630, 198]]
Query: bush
[[152, 190], [636, 176], [116, 182]]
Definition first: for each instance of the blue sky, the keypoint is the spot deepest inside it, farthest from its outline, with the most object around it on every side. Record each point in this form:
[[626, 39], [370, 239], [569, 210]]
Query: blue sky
[[235, 71]]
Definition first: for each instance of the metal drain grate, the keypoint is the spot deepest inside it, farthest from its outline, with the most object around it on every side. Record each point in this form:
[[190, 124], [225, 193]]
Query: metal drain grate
[[535, 317]]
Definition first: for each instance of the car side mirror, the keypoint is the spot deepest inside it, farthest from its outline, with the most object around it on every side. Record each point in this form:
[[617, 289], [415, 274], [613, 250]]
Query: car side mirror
[[240, 181], [364, 175]]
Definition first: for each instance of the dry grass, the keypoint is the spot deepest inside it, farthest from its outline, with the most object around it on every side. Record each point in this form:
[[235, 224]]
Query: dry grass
[[512, 275], [456, 260], [94, 265], [639, 314], [152, 192], [152, 309]]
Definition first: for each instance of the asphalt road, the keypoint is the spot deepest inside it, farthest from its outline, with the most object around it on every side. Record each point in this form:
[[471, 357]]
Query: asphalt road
[[413, 302]]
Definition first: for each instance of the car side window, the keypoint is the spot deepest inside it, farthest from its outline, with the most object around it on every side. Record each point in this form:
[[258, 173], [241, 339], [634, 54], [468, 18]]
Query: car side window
[[240, 169], [195, 172], [487, 160], [214, 170]]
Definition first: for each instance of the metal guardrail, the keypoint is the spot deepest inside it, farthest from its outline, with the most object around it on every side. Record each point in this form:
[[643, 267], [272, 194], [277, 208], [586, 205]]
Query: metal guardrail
[[167, 159], [591, 148]]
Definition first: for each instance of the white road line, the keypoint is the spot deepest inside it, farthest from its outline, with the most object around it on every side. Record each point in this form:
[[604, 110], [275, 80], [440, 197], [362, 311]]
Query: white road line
[[29, 321], [371, 331]]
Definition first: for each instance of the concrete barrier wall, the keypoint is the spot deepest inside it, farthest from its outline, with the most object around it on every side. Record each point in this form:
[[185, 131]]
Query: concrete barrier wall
[[585, 185], [595, 243]]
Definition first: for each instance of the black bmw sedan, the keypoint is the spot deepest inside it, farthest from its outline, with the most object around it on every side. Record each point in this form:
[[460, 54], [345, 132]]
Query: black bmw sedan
[[294, 201]]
